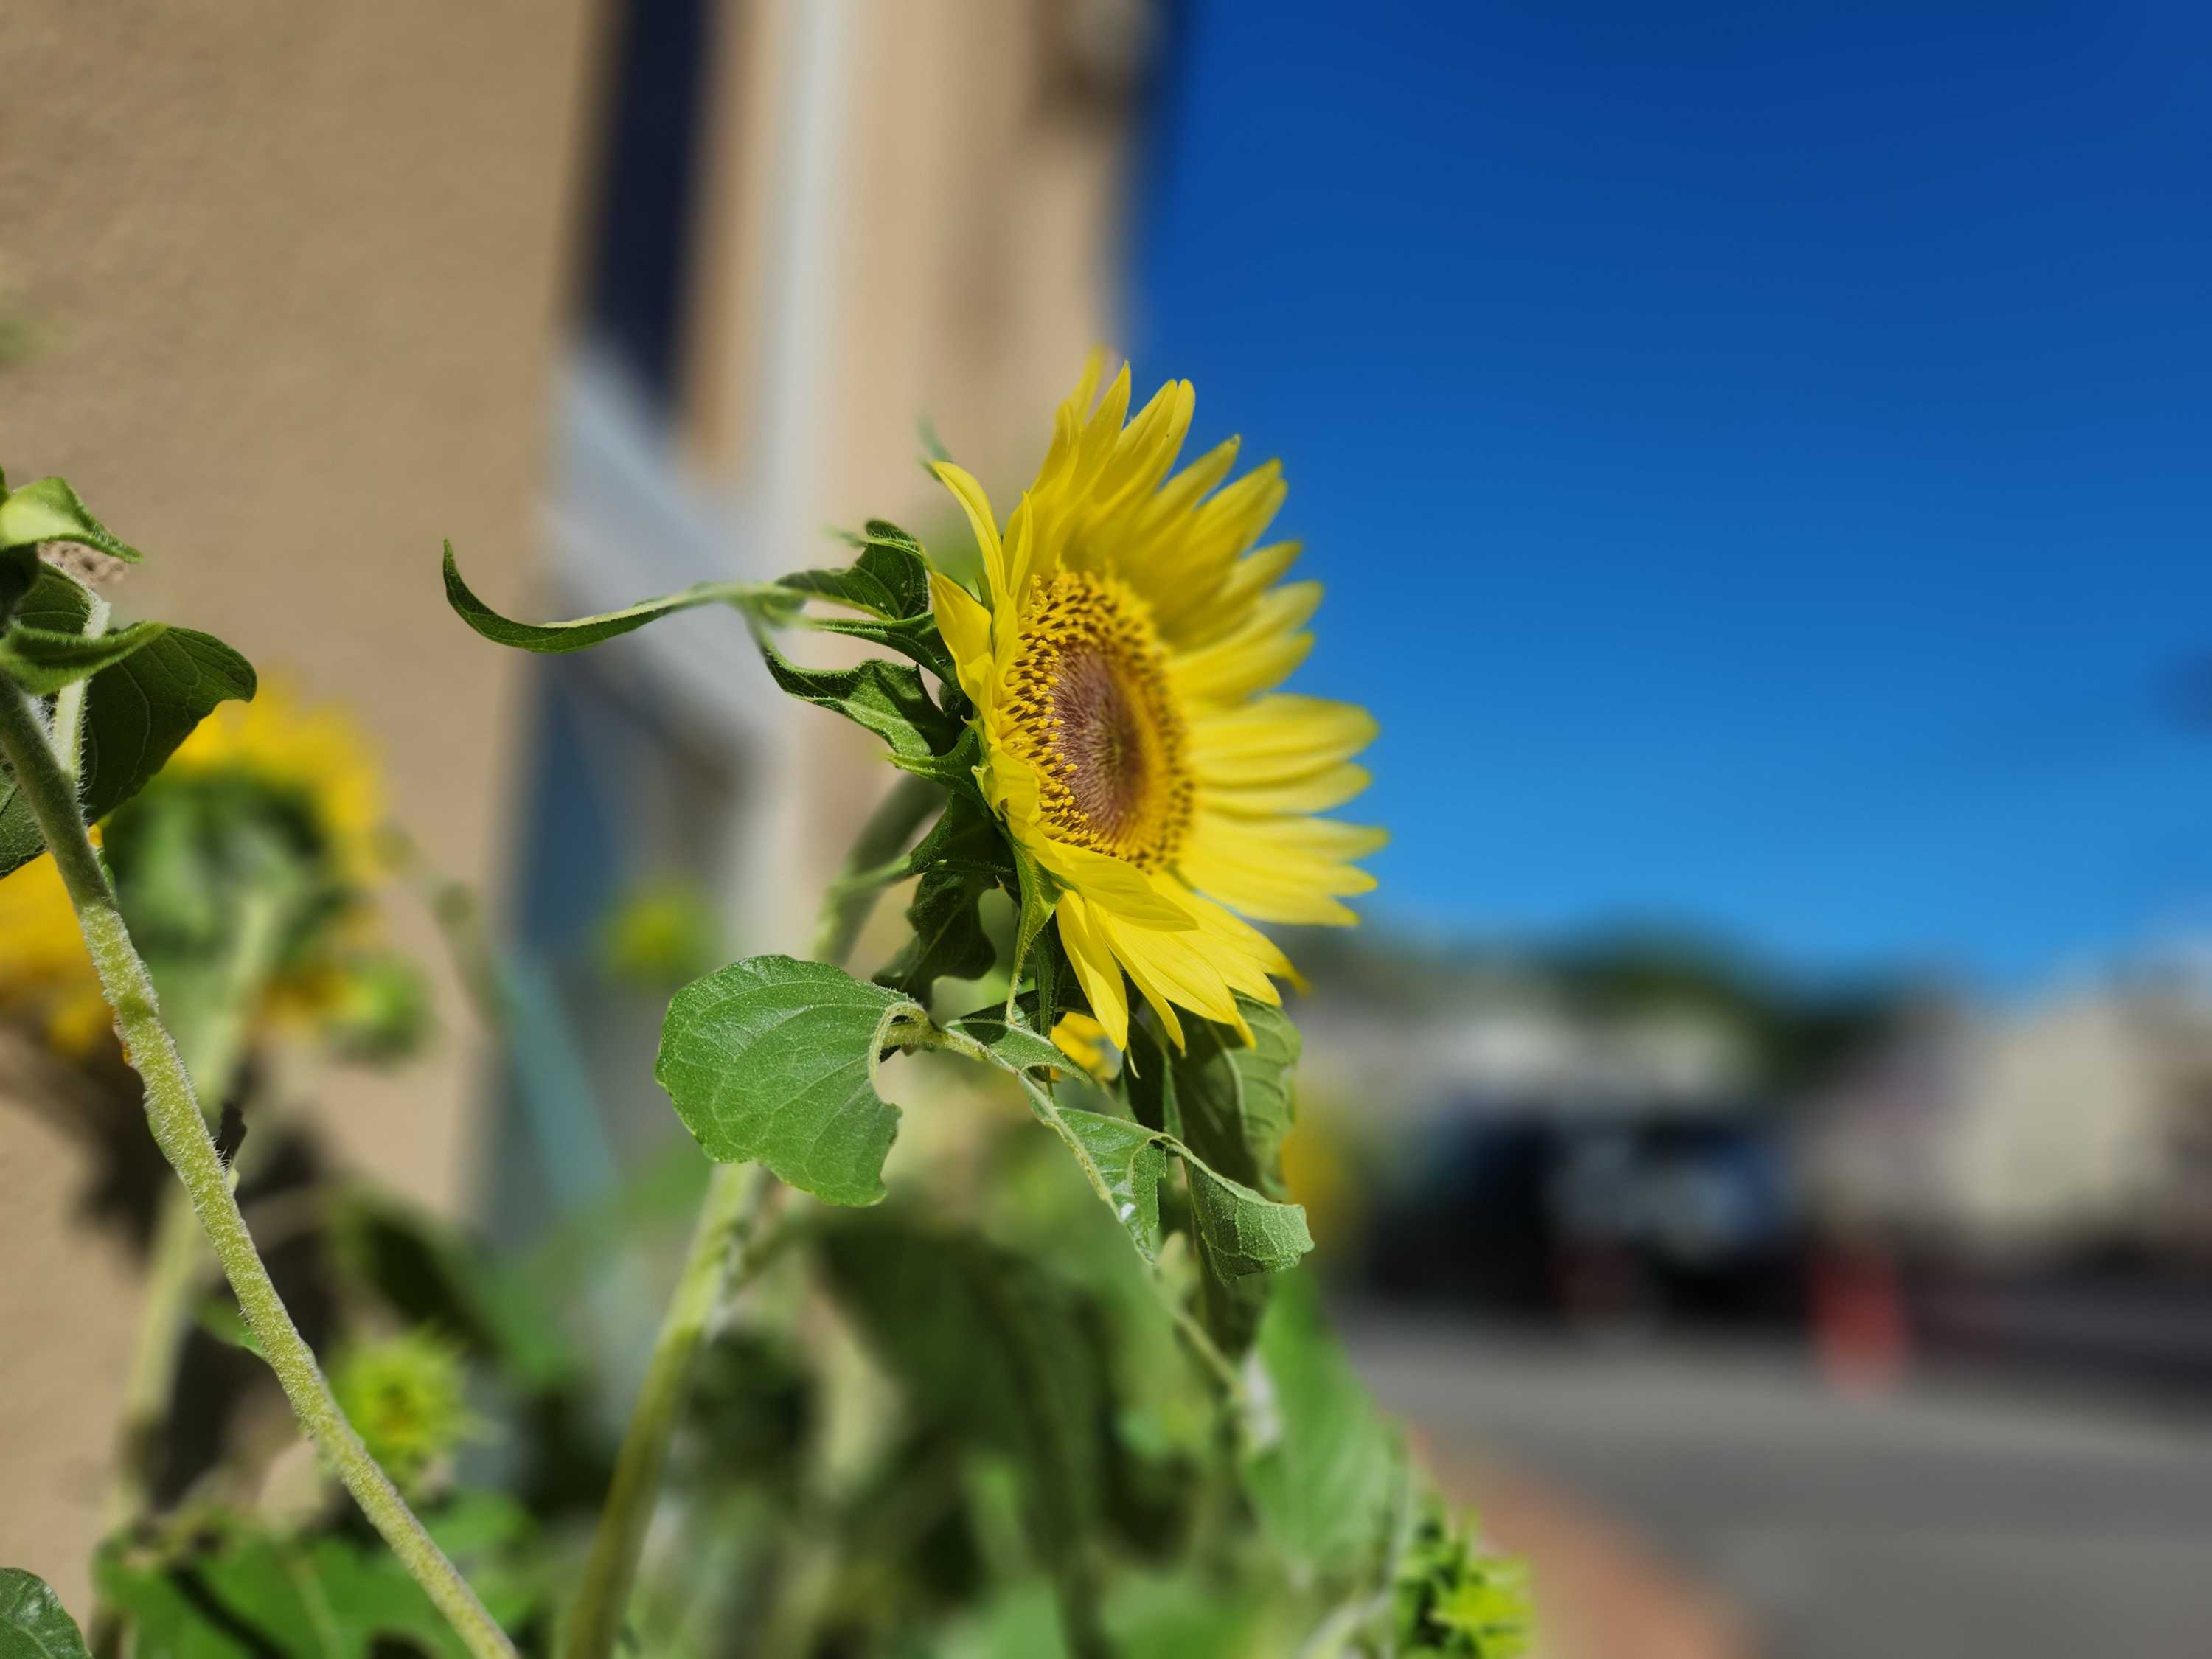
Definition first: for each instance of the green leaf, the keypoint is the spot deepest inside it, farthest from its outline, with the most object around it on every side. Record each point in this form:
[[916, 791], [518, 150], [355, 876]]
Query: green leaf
[[1330, 1483], [993, 1350], [1236, 1098], [135, 714], [947, 939], [772, 1061], [42, 660], [1122, 1161], [48, 510], [1005, 1044], [242, 1593], [33, 1624], [890, 579], [586, 631], [1241, 1232], [888, 698]]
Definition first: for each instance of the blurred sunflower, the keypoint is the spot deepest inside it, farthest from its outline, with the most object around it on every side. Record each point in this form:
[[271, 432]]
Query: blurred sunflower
[[313, 753], [1122, 664], [277, 773], [45, 973]]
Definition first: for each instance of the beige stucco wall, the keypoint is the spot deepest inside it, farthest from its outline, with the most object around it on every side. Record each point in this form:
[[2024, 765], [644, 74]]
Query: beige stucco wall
[[290, 273]]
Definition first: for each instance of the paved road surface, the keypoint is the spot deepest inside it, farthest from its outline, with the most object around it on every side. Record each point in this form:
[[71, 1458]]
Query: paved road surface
[[1943, 1522]]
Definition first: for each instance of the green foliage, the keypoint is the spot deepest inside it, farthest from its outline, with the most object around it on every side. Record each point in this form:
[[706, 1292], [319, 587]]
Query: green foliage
[[237, 1589], [1452, 1599], [136, 709], [772, 1061], [48, 510], [1331, 1484], [33, 1624], [553, 638], [43, 660]]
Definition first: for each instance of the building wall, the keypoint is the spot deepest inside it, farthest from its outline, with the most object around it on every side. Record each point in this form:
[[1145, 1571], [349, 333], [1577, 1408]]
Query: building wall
[[287, 275]]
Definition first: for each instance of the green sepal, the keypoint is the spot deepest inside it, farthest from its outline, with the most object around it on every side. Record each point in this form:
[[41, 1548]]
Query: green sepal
[[33, 1624], [773, 1060], [48, 510], [583, 632]]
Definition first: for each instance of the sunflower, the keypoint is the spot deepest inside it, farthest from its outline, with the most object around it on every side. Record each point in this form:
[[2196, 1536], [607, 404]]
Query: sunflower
[[1122, 663], [314, 756], [43, 971], [315, 753]]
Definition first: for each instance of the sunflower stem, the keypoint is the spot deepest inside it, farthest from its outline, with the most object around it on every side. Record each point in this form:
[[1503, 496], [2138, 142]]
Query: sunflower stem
[[172, 1110], [720, 1262], [212, 1057]]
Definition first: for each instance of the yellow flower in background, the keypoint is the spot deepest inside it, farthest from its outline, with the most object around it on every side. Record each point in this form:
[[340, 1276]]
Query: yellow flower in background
[[44, 969], [315, 750], [317, 754], [1123, 666]]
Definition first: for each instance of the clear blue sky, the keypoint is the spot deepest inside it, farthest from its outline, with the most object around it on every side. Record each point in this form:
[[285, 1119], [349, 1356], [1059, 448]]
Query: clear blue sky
[[1760, 455]]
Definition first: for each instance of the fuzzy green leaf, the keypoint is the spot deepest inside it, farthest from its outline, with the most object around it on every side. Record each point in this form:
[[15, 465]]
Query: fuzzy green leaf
[[33, 1624], [1236, 1098], [1241, 1232], [890, 579], [1123, 1162], [552, 638], [1016, 1048], [42, 660], [888, 698], [48, 510], [136, 712], [1329, 1482], [772, 1061]]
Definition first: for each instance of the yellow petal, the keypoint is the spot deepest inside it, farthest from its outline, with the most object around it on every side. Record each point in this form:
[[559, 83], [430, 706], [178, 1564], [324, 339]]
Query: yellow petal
[[977, 506], [966, 626], [1096, 969], [1317, 792]]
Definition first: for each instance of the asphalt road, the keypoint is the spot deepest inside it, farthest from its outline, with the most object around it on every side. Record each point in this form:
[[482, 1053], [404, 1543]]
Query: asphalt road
[[1944, 1521]]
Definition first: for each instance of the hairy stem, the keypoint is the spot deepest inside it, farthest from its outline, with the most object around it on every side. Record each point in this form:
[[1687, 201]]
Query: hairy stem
[[716, 1268], [212, 1055], [68, 705], [172, 1110]]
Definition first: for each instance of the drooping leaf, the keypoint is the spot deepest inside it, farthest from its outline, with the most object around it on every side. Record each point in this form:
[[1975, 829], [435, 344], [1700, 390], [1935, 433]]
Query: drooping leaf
[[888, 698], [1123, 1162], [135, 714], [890, 579], [771, 1060], [556, 637], [33, 1624], [1241, 1232], [48, 510], [42, 660]]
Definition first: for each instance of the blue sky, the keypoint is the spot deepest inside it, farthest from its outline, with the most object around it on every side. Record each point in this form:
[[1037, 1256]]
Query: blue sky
[[1758, 454]]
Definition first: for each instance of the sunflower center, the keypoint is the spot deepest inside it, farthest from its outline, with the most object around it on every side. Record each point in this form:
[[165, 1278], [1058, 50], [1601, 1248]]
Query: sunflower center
[[1091, 711]]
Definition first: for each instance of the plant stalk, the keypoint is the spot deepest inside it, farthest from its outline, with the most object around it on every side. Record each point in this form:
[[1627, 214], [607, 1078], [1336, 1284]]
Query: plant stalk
[[212, 1056], [715, 1268], [172, 1110]]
